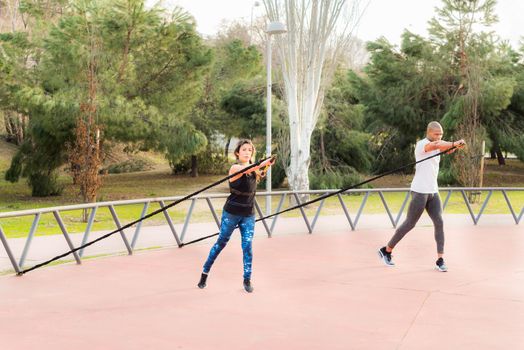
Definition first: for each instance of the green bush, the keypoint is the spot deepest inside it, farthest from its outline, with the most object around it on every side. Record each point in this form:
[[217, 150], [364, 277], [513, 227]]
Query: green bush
[[446, 175], [210, 162], [129, 166], [43, 185], [15, 169], [334, 179]]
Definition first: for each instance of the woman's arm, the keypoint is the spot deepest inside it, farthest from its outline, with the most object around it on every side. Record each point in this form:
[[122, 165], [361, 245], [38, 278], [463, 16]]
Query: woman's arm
[[237, 167]]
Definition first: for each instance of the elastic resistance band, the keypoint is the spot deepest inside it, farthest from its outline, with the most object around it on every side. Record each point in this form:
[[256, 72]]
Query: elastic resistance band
[[331, 194], [144, 218]]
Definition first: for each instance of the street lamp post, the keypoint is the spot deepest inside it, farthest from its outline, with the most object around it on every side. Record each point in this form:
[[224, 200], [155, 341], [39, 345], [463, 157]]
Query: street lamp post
[[272, 28], [255, 4]]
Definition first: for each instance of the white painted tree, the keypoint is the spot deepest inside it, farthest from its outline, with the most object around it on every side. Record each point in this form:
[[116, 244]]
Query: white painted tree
[[318, 31]]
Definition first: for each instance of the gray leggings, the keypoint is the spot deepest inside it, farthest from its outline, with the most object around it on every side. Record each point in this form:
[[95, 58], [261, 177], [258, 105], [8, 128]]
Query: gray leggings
[[419, 202]]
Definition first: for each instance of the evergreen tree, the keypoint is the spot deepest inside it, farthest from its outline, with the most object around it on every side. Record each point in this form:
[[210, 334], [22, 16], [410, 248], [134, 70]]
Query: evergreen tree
[[130, 74]]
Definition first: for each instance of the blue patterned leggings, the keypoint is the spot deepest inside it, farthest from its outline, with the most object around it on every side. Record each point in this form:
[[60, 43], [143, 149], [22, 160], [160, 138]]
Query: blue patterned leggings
[[247, 229]]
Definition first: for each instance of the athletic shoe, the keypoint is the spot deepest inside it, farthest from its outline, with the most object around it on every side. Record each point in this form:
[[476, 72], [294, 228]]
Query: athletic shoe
[[247, 285], [386, 256], [202, 282], [441, 265]]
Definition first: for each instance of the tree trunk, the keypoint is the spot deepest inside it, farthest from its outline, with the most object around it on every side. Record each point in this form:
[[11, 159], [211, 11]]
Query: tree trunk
[[194, 166], [500, 157], [125, 55], [324, 159], [496, 152], [226, 148], [86, 153], [15, 124], [300, 158], [307, 56]]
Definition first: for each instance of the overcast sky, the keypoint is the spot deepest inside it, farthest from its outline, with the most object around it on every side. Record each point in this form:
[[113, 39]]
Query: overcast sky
[[386, 18]]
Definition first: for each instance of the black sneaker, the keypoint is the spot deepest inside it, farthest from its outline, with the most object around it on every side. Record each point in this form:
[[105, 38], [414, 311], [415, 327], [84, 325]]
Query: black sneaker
[[441, 265], [202, 282], [247, 285], [385, 256]]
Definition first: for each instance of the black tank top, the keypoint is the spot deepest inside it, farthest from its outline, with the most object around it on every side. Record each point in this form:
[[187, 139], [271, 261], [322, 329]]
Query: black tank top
[[241, 201]]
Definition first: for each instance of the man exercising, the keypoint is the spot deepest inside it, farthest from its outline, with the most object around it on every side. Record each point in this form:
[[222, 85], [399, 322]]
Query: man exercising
[[424, 193]]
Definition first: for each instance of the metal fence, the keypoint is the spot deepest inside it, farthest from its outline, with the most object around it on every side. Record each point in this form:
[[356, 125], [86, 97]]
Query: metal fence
[[269, 225]]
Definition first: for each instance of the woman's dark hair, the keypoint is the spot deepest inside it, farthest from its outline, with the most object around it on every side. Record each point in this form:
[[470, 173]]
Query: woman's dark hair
[[242, 143], [237, 150]]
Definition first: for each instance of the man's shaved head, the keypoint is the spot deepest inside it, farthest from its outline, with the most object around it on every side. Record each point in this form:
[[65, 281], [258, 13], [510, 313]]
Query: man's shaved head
[[434, 126], [434, 131]]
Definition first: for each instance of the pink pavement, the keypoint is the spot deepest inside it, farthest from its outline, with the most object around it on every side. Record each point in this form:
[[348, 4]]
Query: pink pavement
[[322, 291]]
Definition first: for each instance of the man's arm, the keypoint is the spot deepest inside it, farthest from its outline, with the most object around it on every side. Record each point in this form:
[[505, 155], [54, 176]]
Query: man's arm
[[443, 145]]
